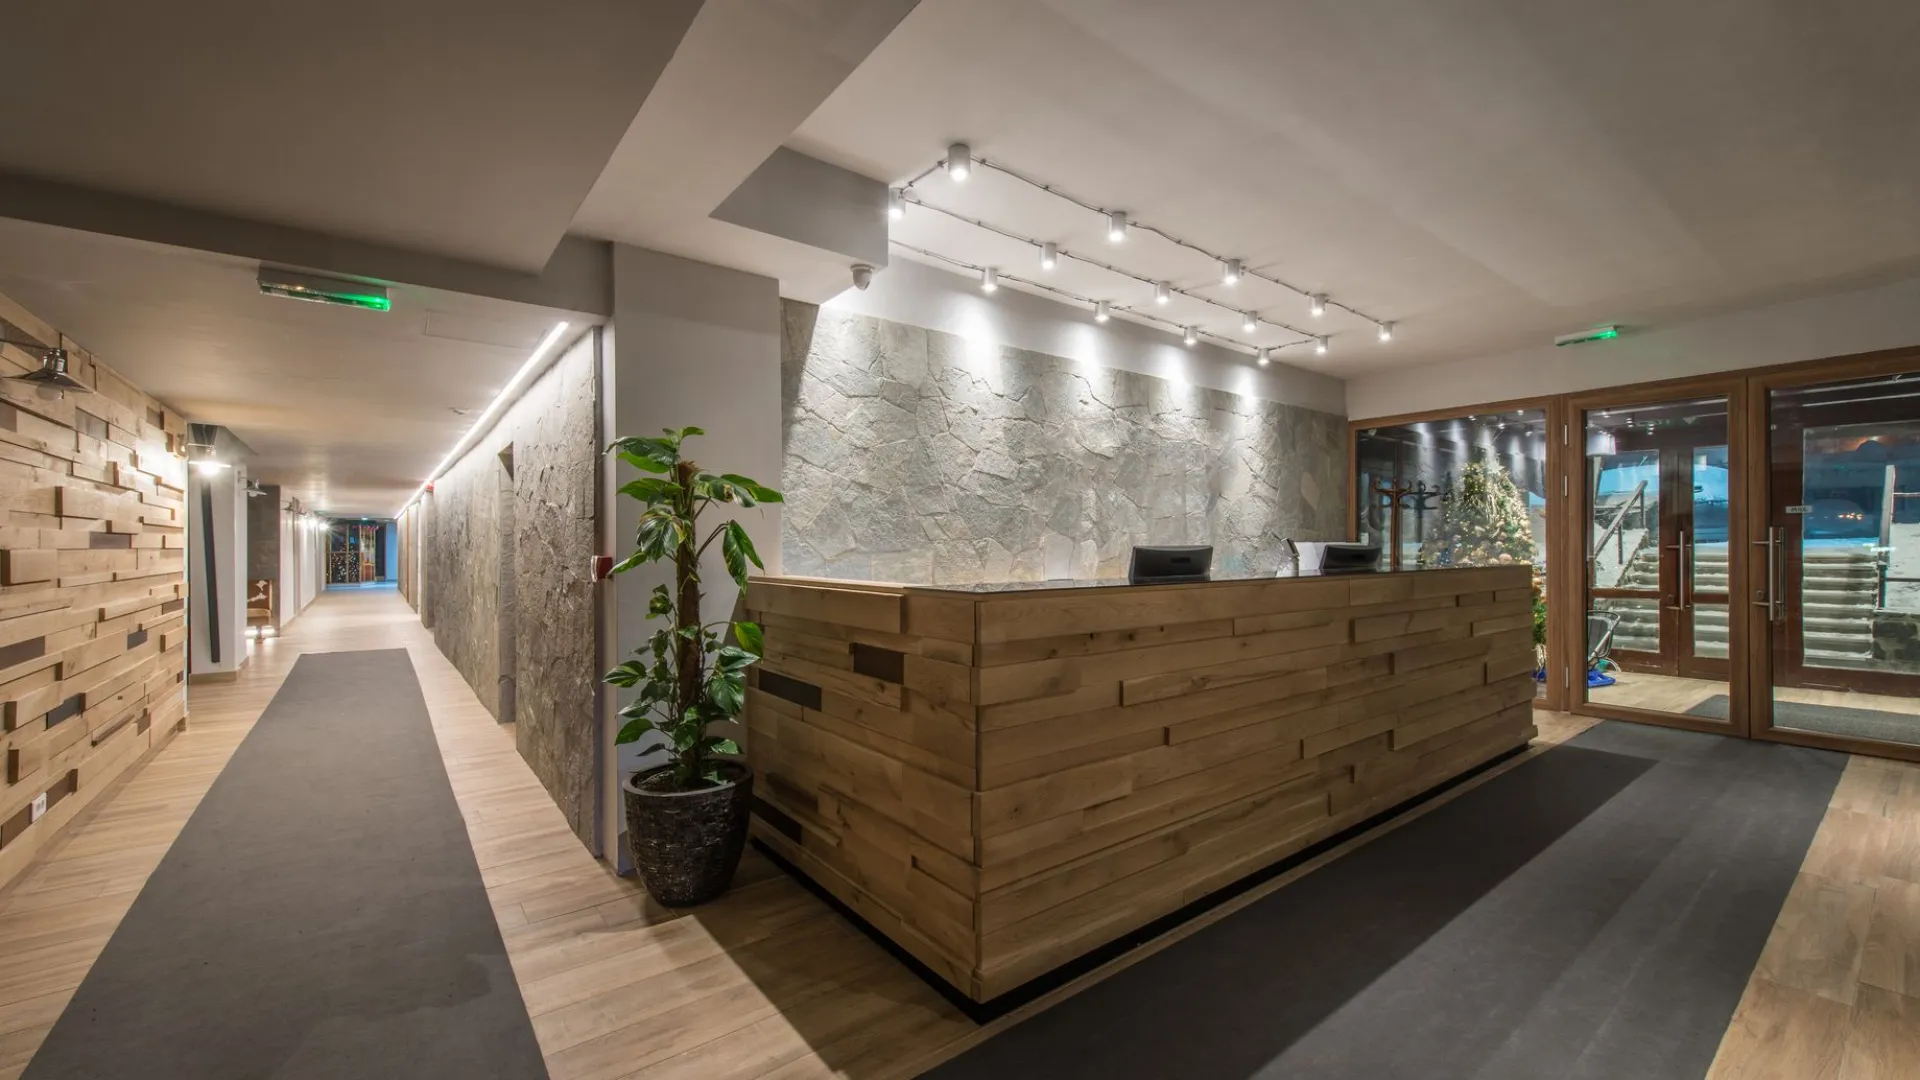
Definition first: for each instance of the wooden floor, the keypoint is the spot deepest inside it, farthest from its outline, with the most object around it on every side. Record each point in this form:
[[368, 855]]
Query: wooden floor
[[767, 982]]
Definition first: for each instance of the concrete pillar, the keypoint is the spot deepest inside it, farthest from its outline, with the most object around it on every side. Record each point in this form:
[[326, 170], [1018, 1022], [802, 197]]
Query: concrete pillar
[[691, 344]]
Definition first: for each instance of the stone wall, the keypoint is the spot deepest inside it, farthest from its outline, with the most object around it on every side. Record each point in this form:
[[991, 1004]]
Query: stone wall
[[522, 503], [919, 456]]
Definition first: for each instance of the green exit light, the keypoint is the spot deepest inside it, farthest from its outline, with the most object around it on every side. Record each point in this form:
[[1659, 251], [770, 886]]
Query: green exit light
[[1581, 337], [320, 290]]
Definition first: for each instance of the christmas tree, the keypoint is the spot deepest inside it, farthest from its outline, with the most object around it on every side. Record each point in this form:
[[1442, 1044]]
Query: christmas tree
[[1483, 522]]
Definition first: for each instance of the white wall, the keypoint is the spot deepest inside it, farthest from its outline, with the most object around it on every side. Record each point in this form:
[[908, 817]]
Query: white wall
[[303, 556], [691, 345], [217, 614], [1885, 317], [925, 296]]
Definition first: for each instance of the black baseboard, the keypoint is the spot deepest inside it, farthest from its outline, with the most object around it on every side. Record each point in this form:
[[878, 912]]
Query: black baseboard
[[980, 1012]]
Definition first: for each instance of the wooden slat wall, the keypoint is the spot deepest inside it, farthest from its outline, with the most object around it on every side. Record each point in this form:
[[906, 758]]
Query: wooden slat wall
[[92, 586], [1004, 783]]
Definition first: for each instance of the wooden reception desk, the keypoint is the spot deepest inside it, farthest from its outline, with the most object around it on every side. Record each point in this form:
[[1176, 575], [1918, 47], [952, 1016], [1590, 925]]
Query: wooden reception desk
[[1004, 778]]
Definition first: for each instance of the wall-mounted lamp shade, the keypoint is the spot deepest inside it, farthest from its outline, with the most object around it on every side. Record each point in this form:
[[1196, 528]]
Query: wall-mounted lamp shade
[[210, 466], [51, 376]]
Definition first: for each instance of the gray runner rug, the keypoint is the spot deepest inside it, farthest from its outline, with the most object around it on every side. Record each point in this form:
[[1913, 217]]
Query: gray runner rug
[[1831, 719], [1592, 914], [321, 917]]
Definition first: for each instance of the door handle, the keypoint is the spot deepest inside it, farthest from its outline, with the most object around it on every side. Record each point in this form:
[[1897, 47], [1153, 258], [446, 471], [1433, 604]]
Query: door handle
[[1683, 592], [1769, 597]]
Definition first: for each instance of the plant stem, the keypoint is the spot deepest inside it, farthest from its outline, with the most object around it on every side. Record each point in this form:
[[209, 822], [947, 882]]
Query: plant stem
[[690, 662]]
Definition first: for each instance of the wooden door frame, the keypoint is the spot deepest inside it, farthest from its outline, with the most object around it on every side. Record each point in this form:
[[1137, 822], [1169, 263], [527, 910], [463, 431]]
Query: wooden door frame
[[1553, 405], [1575, 509], [1758, 513]]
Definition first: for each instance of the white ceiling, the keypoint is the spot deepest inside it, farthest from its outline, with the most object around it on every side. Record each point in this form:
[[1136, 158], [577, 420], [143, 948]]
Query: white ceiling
[[1487, 173], [443, 126], [346, 409]]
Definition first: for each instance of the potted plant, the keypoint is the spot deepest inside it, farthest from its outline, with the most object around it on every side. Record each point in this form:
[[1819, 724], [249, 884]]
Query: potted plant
[[686, 817]]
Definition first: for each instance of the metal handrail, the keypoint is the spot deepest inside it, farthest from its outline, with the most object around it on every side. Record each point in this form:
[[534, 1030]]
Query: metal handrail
[[1615, 530]]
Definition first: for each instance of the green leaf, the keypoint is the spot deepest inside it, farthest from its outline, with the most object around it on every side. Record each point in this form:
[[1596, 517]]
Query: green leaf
[[750, 637], [649, 455], [629, 563], [727, 693], [736, 547], [661, 532], [718, 745], [651, 490], [627, 674], [633, 729], [684, 432], [734, 660], [660, 603], [759, 491]]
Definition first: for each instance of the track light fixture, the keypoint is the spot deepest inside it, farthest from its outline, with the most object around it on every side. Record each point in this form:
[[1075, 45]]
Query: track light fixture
[[1230, 272], [989, 280], [959, 161], [1116, 226], [1317, 305], [1249, 322], [896, 203], [1102, 311], [1264, 357], [1188, 336], [1049, 256], [1386, 331], [1320, 345], [1162, 294]]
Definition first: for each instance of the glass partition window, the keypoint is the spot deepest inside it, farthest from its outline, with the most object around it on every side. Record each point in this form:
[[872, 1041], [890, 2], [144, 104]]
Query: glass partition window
[[1466, 491]]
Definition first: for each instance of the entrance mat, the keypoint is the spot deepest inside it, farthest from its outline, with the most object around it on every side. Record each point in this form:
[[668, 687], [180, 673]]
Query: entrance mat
[[1829, 719], [1594, 913], [320, 916]]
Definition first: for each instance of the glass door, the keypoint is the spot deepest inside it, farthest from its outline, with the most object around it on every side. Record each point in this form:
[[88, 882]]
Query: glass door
[[1656, 513], [1839, 597]]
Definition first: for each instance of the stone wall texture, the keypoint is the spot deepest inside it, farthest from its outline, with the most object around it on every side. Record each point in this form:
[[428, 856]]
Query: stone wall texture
[[919, 456], [508, 543]]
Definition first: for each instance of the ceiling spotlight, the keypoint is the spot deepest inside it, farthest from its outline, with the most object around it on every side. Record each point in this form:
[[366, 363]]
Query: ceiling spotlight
[[1264, 357], [896, 203], [1188, 335], [1249, 322], [1162, 294], [989, 279], [1230, 272], [1102, 311], [1049, 256], [1320, 345], [959, 161], [1317, 305], [1116, 226], [862, 275], [1386, 331]]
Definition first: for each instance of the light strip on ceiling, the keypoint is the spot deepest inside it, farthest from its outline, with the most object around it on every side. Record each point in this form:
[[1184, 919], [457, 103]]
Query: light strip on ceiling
[[1232, 269], [486, 417]]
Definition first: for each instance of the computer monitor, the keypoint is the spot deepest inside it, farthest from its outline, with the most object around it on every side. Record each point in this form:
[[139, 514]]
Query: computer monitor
[[1349, 558], [1160, 565]]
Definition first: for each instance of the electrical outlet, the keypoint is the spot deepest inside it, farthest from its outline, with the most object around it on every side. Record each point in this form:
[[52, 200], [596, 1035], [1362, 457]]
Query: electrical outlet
[[39, 808]]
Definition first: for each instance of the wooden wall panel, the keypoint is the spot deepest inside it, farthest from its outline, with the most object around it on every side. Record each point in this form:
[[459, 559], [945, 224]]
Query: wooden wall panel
[[92, 586], [1002, 783]]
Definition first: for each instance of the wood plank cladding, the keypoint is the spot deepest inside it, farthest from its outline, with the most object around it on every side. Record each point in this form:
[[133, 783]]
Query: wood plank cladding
[[92, 587], [1004, 782]]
